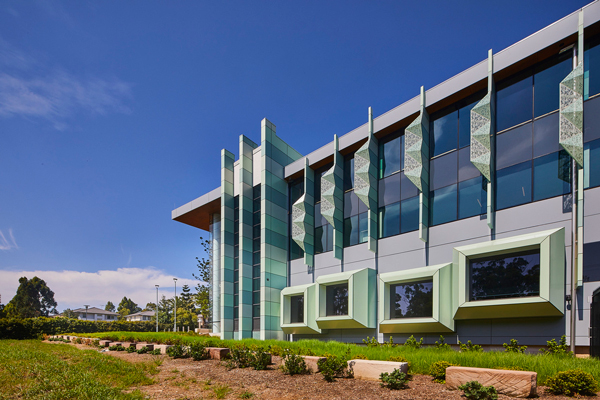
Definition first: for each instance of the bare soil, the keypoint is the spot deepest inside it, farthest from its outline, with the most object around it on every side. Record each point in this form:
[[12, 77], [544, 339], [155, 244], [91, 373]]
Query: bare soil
[[180, 379]]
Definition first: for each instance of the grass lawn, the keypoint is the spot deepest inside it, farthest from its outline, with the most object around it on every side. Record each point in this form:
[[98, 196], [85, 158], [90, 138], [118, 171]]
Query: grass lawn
[[30, 369], [420, 359]]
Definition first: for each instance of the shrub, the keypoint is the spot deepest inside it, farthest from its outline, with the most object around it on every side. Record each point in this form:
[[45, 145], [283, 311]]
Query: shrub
[[360, 357], [260, 359], [293, 364], [469, 346], [572, 382], [306, 351], [143, 350], [177, 351], [371, 341], [513, 347], [198, 351], [276, 350], [400, 359], [241, 357], [476, 391], [394, 381], [116, 347], [131, 349], [77, 341], [331, 367], [412, 342], [155, 352], [442, 345], [438, 371], [561, 348]]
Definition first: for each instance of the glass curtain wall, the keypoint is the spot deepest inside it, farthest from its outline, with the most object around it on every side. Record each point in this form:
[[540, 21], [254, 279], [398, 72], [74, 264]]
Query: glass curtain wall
[[355, 212], [323, 229], [256, 259], [236, 263], [296, 189], [591, 113]]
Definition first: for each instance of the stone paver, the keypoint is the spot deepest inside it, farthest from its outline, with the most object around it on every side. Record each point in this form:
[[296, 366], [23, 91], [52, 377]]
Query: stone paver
[[510, 383], [372, 369]]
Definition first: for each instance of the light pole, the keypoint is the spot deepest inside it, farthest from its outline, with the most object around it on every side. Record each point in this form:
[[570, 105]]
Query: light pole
[[86, 307], [156, 308], [175, 309]]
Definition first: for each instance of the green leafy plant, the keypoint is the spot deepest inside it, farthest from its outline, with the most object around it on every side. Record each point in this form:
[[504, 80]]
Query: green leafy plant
[[400, 359], [305, 351], [438, 371], [476, 391], [155, 352], [464, 347], [142, 350], [260, 359], [130, 349], [442, 345], [177, 351], [78, 341], [221, 391], [371, 341], [241, 357], [116, 347], [395, 380], [294, 364], [513, 347], [390, 343], [412, 342], [276, 350], [360, 357], [561, 348], [246, 395], [572, 382], [331, 367], [197, 350]]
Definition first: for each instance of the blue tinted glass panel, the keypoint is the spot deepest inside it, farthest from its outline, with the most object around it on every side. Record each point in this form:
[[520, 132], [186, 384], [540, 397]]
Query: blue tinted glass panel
[[444, 170], [444, 134], [501, 277], [546, 83], [351, 231], [464, 125], [513, 185], [390, 156], [350, 204], [409, 217], [591, 159], [551, 175], [514, 146], [363, 227], [348, 173], [591, 119], [591, 63], [545, 135], [443, 205], [466, 169], [407, 188], [411, 300], [472, 197], [389, 220], [514, 103], [389, 190], [320, 240]]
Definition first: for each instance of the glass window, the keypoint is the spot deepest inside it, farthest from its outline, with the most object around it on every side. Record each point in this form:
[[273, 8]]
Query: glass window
[[407, 188], [318, 174], [546, 83], [320, 240], [351, 231], [409, 217], [514, 102], [551, 175], [363, 227], [389, 190], [319, 218], [464, 124], [328, 232], [389, 220], [444, 134], [296, 190], [351, 203], [591, 63], [349, 172], [591, 119], [472, 197], [391, 156], [505, 276], [442, 205], [591, 262], [513, 185], [591, 160], [411, 300], [514, 146], [443, 170], [295, 251], [297, 309], [336, 300], [545, 135], [466, 169]]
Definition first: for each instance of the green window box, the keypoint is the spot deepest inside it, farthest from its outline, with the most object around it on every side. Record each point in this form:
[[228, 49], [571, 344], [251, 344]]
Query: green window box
[[291, 315]]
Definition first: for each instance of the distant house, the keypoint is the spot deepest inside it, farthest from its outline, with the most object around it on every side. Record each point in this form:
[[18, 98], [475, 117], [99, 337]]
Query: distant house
[[95, 314], [140, 316]]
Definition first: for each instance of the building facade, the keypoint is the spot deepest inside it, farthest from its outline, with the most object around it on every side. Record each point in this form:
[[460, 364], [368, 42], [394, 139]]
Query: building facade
[[95, 314], [471, 210], [141, 316]]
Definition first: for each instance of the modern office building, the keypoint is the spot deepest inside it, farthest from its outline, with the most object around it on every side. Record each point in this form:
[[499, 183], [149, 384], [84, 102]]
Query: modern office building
[[471, 210]]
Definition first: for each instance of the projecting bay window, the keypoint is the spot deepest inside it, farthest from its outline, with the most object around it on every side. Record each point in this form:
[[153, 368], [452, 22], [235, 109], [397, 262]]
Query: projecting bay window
[[411, 300]]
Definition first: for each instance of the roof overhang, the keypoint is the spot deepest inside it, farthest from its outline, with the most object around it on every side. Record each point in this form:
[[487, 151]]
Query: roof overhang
[[197, 212]]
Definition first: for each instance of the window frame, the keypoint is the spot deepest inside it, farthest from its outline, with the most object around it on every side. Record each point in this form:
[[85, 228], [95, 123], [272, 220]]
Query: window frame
[[309, 325]]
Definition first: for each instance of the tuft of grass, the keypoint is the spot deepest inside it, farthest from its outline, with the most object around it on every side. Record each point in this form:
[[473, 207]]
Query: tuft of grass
[[221, 391], [246, 395], [32, 369]]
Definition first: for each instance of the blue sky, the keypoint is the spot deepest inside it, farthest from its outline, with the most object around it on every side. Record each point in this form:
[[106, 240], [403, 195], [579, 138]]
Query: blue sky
[[114, 113]]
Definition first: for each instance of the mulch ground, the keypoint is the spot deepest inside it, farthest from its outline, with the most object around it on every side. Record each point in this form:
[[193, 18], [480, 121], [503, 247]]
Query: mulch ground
[[187, 379]]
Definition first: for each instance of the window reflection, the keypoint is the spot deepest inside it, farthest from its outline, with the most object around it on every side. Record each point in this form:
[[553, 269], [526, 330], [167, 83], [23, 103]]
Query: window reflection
[[409, 218], [514, 101], [505, 276], [297, 309], [472, 197], [551, 175], [336, 300], [442, 205], [513, 185], [444, 134], [591, 63], [411, 300], [389, 220], [546, 82], [391, 156], [591, 157]]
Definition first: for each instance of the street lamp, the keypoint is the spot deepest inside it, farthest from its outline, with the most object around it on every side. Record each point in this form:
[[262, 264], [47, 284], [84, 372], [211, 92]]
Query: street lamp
[[175, 315], [156, 308], [86, 307]]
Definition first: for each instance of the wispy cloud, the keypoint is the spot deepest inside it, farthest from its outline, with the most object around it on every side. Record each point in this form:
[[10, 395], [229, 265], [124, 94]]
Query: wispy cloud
[[73, 289], [55, 95], [8, 243]]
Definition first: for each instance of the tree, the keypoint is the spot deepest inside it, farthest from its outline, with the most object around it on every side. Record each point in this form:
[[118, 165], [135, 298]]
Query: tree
[[165, 311], [2, 311], [150, 307], [187, 300], [126, 307], [68, 313], [204, 287], [33, 299], [109, 306]]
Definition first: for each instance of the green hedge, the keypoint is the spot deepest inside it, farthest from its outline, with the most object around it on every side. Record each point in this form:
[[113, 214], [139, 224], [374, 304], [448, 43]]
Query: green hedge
[[34, 328]]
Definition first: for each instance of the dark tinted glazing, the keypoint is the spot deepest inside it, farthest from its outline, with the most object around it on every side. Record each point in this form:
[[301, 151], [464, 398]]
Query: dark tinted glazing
[[337, 300]]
